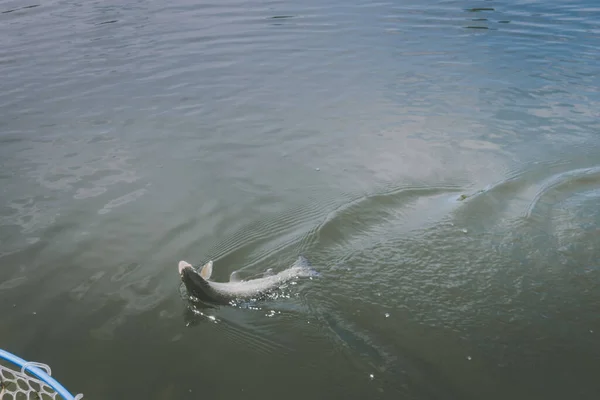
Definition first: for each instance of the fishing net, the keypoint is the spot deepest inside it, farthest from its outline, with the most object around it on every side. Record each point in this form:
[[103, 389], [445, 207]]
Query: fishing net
[[19, 383]]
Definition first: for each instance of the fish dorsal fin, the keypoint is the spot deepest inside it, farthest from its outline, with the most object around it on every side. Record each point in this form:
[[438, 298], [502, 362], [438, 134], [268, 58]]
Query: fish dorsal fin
[[206, 270], [269, 272], [235, 277], [301, 262]]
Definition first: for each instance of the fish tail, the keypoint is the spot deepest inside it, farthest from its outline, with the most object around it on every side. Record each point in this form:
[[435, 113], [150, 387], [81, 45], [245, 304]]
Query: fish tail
[[303, 262]]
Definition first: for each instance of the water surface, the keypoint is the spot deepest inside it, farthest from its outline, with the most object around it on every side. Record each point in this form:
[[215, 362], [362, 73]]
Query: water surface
[[436, 161]]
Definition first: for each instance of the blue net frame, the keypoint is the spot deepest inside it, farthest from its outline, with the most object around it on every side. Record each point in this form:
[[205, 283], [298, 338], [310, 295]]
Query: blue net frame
[[39, 373]]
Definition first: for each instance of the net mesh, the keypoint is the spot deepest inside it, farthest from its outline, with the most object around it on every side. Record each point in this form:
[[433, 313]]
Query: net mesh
[[20, 385]]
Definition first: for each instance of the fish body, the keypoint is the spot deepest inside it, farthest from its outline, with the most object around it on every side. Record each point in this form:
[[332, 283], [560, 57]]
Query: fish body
[[199, 285]]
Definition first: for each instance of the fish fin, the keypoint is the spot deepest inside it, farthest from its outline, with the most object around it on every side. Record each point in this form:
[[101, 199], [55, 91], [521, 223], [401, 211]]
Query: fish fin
[[235, 277], [206, 270], [301, 261]]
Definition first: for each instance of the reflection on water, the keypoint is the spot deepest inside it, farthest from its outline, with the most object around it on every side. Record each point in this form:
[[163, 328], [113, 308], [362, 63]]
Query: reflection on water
[[436, 162]]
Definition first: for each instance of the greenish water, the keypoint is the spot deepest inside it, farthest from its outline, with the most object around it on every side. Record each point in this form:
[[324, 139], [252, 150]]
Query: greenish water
[[437, 162]]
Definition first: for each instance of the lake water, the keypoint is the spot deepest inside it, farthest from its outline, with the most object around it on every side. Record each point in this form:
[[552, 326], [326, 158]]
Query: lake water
[[438, 162]]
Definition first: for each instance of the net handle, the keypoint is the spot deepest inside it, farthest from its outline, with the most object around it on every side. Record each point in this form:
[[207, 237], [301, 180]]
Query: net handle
[[39, 373]]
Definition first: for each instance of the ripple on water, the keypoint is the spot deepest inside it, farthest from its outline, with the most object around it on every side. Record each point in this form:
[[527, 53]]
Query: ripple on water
[[563, 184], [381, 134], [508, 274]]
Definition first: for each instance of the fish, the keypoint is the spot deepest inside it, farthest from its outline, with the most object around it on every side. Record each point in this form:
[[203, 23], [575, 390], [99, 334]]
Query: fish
[[199, 285]]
